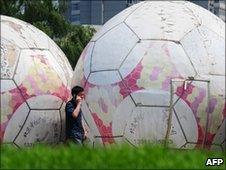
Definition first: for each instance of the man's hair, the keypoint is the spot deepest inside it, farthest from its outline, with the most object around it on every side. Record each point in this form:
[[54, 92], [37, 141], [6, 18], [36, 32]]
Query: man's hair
[[76, 90]]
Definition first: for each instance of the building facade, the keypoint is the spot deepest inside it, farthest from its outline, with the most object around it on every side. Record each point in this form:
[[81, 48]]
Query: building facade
[[217, 7], [97, 12]]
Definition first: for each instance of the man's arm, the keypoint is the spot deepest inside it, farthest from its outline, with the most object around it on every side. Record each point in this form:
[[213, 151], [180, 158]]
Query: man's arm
[[77, 110]]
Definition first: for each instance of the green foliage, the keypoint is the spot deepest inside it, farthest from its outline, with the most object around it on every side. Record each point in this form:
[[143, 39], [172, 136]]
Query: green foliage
[[49, 18], [116, 157]]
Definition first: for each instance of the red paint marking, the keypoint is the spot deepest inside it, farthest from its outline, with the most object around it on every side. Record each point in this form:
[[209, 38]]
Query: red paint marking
[[104, 130]]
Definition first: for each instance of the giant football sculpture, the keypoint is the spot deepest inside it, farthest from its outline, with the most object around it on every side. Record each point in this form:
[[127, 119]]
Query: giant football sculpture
[[35, 84], [155, 73]]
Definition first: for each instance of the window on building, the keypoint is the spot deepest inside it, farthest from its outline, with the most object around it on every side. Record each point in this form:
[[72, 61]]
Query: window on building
[[75, 6], [131, 2], [75, 17]]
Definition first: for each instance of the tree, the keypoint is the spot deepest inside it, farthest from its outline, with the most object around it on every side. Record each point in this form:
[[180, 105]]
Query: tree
[[49, 18]]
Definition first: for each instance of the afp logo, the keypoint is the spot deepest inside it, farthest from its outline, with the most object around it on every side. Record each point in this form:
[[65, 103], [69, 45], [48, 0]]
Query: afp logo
[[214, 161]]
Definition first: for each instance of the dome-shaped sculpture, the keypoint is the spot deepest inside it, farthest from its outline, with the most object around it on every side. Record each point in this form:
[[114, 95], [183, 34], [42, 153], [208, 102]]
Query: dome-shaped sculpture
[[35, 84], [154, 73]]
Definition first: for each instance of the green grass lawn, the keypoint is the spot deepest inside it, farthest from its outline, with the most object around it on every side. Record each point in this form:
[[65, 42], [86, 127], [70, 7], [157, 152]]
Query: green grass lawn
[[116, 157]]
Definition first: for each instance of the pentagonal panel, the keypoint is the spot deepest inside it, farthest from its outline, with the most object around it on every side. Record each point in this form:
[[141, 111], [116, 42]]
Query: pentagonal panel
[[187, 121], [121, 115], [40, 126], [117, 19], [206, 51], [207, 18], [162, 20], [151, 98], [104, 77], [162, 61], [134, 57], [22, 34], [15, 123], [45, 102], [61, 59], [215, 47], [149, 125], [9, 58], [40, 73], [115, 44]]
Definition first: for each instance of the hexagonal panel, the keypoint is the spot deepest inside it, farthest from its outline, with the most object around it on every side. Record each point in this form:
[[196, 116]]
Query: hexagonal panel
[[40, 126], [162, 20], [40, 74], [122, 40], [9, 58], [207, 18], [151, 98], [104, 77], [117, 19], [121, 115], [61, 59], [44, 102], [22, 34], [15, 123], [204, 49], [149, 125]]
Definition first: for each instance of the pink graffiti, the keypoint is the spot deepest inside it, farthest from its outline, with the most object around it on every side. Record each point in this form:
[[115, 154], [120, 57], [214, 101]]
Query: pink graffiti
[[62, 92], [103, 105], [105, 131], [129, 83], [211, 105], [155, 73]]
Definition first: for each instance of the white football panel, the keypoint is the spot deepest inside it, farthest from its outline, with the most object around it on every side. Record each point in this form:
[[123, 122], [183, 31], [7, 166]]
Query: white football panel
[[180, 60], [151, 97], [23, 34], [104, 77], [187, 120], [27, 59], [133, 58], [41, 126], [193, 46], [147, 124], [208, 19], [121, 115], [7, 85], [61, 59], [44, 102], [162, 20], [93, 131], [9, 58], [114, 21], [117, 43], [219, 138], [215, 47], [15, 123], [87, 59]]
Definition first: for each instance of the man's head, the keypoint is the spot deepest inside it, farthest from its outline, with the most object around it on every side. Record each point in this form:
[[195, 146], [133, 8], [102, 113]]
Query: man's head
[[77, 91]]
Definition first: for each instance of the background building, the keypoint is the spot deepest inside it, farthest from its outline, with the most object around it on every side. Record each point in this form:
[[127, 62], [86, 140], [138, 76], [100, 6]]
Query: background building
[[97, 12], [217, 7]]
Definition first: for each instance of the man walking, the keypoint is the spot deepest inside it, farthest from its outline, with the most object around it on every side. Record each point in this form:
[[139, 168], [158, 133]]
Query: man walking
[[75, 129]]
